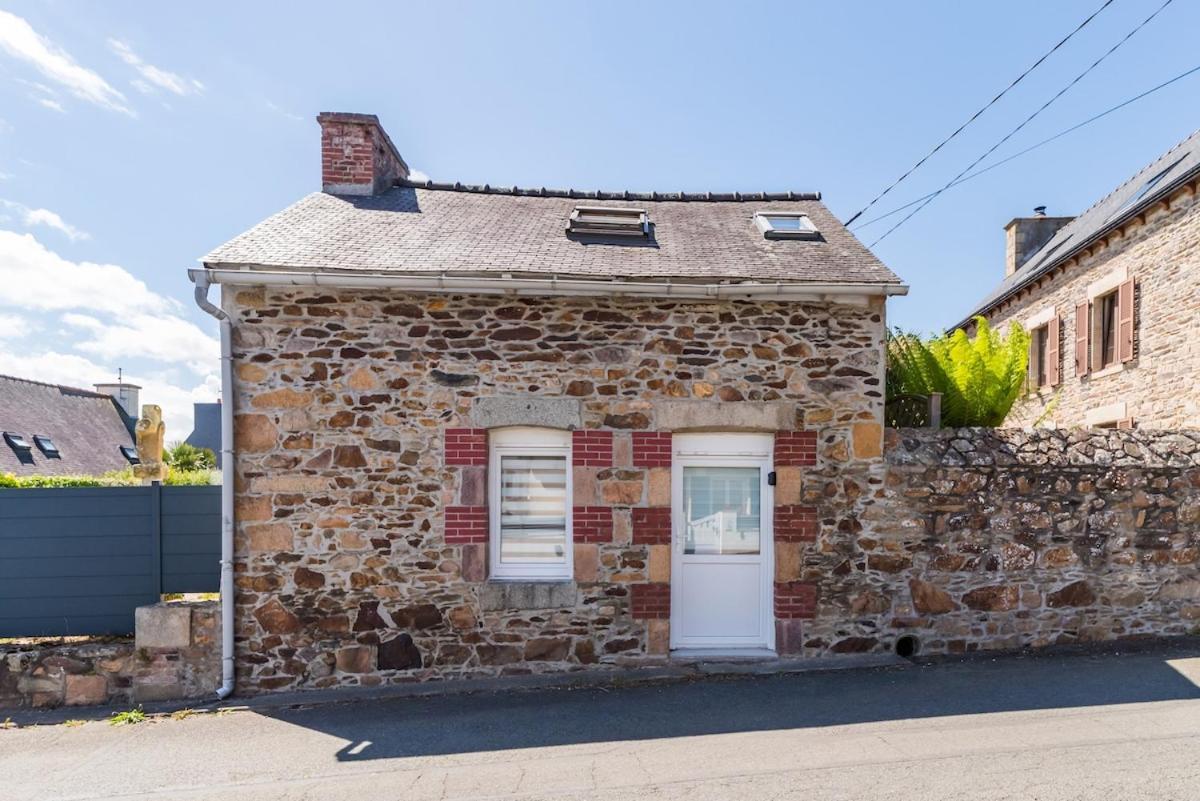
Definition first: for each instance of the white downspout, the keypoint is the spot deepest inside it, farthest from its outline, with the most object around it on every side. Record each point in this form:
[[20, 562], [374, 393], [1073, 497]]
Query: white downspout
[[226, 326]]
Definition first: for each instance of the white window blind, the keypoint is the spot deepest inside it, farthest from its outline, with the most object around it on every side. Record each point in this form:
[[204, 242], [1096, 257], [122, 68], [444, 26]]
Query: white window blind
[[533, 508]]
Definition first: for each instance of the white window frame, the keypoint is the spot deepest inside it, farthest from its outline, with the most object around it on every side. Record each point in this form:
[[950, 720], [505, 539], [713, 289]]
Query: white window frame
[[762, 220], [528, 441]]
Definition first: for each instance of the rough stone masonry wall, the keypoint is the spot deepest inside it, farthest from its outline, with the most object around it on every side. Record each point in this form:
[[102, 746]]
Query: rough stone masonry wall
[[361, 432], [176, 653], [1158, 388], [988, 539]]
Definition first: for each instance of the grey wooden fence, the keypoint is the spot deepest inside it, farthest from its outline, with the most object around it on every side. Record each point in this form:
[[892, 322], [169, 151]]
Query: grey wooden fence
[[80, 560]]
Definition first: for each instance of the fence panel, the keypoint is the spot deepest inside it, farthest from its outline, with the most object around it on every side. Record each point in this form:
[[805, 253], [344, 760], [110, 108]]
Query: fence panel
[[79, 560]]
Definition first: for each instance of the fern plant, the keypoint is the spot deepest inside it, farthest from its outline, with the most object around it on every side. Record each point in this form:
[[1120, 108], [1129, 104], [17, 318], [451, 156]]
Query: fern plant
[[979, 377]]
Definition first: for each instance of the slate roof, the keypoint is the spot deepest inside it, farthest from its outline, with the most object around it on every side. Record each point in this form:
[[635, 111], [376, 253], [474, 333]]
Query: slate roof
[[427, 228], [87, 427], [1177, 166]]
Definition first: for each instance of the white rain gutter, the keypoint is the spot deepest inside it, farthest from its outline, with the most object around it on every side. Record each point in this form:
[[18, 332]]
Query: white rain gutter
[[777, 290], [202, 282]]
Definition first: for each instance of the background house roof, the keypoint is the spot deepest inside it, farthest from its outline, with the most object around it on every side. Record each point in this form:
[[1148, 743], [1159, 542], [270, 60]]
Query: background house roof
[[425, 228], [1178, 165], [88, 428]]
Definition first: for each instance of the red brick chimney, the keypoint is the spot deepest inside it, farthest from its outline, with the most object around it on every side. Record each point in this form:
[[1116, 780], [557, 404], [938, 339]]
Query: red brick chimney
[[357, 157]]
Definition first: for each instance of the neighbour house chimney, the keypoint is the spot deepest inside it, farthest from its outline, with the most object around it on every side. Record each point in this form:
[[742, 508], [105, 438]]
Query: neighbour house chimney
[[1024, 236], [126, 396], [357, 157]]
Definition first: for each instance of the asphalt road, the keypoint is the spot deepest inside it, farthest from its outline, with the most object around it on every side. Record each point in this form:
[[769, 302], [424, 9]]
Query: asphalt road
[[1120, 727]]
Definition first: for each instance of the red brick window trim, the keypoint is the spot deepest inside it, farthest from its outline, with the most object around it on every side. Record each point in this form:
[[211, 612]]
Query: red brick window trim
[[795, 523], [650, 601], [592, 448], [466, 525], [795, 600], [795, 448], [592, 523], [651, 449], [466, 446], [652, 526]]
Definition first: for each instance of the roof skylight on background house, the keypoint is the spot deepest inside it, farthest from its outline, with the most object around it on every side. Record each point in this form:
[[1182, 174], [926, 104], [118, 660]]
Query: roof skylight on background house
[[16, 441], [785, 225], [130, 454], [1146, 188], [608, 221], [46, 445]]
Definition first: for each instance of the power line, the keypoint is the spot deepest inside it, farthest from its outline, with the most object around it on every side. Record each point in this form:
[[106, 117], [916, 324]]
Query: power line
[[1031, 148], [1024, 122], [985, 107]]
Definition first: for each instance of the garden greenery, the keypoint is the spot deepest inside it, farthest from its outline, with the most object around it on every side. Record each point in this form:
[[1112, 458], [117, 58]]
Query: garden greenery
[[115, 478], [979, 377]]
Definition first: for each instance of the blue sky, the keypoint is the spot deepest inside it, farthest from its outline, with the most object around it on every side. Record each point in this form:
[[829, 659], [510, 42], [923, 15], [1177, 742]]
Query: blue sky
[[134, 137]]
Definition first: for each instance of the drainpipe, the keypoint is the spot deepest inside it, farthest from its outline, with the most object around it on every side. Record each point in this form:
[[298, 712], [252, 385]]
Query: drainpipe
[[226, 325]]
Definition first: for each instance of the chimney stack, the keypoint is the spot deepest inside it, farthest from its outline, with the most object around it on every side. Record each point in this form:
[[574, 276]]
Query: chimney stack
[[1025, 236], [357, 157], [126, 396]]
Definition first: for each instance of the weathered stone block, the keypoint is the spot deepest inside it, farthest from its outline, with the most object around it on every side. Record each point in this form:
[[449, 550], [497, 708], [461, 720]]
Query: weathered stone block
[[739, 416], [163, 626], [587, 562], [500, 595], [84, 690], [356, 659], [496, 412]]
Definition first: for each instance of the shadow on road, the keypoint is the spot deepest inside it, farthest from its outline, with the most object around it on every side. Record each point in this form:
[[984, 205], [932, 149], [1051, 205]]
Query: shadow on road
[[457, 724]]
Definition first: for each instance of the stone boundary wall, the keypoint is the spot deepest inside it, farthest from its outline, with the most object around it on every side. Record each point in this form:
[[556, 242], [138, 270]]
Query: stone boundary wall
[[176, 653], [990, 539]]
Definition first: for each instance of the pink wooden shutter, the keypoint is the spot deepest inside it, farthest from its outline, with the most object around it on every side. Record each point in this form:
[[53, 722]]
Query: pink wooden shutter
[[1052, 351], [1125, 321], [1125, 423], [1081, 339]]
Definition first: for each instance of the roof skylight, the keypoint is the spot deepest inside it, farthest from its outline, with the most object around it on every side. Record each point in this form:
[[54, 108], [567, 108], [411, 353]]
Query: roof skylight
[[1146, 188], [785, 225], [608, 221], [130, 454], [17, 441], [46, 445]]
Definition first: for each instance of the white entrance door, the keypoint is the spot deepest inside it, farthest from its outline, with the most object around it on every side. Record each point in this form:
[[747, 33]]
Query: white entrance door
[[721, 558]]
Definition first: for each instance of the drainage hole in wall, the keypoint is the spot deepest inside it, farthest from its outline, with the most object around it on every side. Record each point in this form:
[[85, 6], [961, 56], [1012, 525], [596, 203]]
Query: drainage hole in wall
[[907, 646]]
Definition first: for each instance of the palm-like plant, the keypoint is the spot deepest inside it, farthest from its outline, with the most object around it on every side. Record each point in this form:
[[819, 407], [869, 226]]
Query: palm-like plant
[[979, 378]]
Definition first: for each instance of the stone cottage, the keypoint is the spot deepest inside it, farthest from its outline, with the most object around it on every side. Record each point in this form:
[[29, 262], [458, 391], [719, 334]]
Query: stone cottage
[[1112, 300], [486, 430]]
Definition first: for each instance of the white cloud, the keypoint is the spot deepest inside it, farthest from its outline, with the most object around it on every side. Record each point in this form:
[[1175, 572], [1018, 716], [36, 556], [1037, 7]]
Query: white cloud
[[31, 217], [152, 77], [165, 339], [280, 110], [53, 105], [33, 277], [417, 175], [14, 326], [22, 42]]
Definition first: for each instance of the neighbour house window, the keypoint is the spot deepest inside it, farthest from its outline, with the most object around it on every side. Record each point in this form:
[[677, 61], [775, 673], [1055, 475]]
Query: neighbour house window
[[530, 516], [1104, 311], [46, 445], [130, 454], [1040, 340], [1105, 326], [16, 441], [1044, 350], [608, 221], [785, 225]]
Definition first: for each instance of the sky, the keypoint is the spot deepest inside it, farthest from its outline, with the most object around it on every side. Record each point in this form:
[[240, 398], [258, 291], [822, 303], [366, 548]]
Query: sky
[[137, 136]]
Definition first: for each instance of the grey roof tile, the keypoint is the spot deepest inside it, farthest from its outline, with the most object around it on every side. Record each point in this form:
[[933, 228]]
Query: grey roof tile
[[87, 427], [437, 228], [1181, 163]]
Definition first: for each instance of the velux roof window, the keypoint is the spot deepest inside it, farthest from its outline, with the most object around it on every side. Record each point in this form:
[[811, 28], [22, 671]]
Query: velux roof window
[[46, 445], [785, 225], [130, 454], [608, 221], [16, 441]]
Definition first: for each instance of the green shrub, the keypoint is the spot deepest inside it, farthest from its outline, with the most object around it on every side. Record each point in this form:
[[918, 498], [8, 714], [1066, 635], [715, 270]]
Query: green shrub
[[188, 458], [980, 378], [114, 478]]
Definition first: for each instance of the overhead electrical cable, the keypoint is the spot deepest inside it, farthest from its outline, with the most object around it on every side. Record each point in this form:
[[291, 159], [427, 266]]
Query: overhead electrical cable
[[1031, 148], [984, 108], [1025, 122]]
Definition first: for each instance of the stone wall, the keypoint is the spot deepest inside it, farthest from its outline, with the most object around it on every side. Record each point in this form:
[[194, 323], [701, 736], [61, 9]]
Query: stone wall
[[986, 539], [1160, 251], [175, 654], [361, 431]]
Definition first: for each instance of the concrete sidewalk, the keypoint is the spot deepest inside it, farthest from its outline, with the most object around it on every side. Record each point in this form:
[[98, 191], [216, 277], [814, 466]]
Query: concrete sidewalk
[[1075, 726]]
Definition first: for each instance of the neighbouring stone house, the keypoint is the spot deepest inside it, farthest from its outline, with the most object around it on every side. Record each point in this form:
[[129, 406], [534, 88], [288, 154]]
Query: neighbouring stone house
[[1112, 299], [489, 430]]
